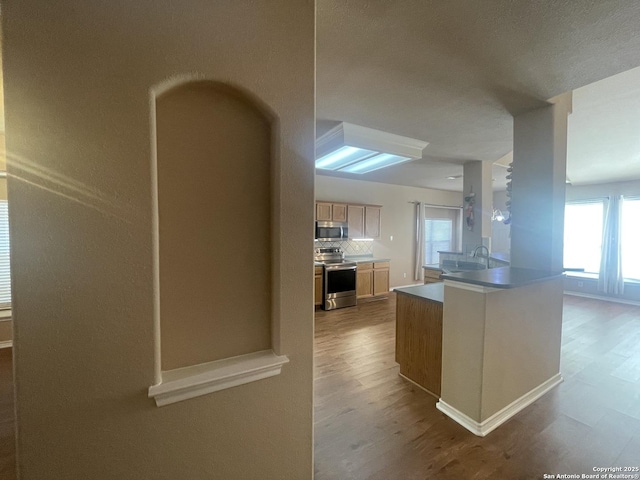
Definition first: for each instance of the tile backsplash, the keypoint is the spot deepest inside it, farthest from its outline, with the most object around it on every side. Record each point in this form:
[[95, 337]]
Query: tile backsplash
[[349, 247]]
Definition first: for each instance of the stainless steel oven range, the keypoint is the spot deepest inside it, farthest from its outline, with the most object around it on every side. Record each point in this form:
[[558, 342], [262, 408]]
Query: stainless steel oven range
[[339, 278]]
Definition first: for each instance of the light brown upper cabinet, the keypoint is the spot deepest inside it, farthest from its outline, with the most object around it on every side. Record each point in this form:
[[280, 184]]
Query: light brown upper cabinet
[[339, 212], [372, 222], [363, 220], [323, 212], [331, 212], [356, 221]]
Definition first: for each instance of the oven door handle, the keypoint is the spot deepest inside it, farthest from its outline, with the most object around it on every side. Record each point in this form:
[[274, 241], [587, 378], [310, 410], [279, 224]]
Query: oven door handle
[[339, 267]]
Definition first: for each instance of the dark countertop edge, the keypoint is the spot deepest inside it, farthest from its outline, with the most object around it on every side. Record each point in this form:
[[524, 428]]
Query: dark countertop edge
[[496, 257], [502, 277], [433, 292]]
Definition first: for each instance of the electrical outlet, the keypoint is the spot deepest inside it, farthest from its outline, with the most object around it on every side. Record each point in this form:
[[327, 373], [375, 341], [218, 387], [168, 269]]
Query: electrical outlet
[[405, 275], [391, 238], [580, 284]]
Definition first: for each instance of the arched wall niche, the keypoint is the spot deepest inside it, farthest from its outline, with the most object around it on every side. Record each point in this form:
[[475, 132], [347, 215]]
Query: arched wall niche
[[213, 170]]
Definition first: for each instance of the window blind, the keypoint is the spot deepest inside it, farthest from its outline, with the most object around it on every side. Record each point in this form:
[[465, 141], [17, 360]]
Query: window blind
[[5, 272], [437, 236]]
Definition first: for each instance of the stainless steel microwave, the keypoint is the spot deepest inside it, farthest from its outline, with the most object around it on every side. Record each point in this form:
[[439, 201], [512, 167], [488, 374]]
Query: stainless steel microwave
[[331, 231]]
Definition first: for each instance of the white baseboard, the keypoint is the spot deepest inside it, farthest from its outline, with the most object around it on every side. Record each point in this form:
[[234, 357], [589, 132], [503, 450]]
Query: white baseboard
[[602, 297], [6, 344], [498, 418]]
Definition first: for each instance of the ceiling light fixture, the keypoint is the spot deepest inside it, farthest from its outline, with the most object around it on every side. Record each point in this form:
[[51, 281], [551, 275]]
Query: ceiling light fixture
[[355, 149], [497, 216]]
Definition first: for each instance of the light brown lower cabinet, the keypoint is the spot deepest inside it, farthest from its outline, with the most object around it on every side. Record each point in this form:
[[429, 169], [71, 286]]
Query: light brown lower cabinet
[[419, 341], [318, 286], [372, 279], [380, 281], [432, 276], [364, 280]]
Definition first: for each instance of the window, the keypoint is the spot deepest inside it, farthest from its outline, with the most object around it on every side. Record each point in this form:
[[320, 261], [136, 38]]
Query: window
[[5, 273], [583, 236], [438, 235], [630, 238]]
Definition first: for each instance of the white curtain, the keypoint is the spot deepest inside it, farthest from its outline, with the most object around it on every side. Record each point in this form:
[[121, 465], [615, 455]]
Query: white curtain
[[419, 245], [611, 279]]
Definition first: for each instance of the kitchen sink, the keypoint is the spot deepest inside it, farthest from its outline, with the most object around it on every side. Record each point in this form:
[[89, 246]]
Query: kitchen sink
[[453, 266]]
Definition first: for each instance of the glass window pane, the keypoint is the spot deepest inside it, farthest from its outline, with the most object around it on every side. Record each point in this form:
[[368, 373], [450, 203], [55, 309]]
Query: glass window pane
[[5, 274], [437, 236], [631, 239], [583, 236]]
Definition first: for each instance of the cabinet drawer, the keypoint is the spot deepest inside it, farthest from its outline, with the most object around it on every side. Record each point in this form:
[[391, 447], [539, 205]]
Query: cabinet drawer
[[365, 266], [318, 270], [431, 280], [381, 265], [432, 273]]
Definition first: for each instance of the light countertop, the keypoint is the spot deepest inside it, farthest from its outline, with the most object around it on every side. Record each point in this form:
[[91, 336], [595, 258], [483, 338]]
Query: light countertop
[[431, 291], [365, 259], [502, 277], [432, 266]]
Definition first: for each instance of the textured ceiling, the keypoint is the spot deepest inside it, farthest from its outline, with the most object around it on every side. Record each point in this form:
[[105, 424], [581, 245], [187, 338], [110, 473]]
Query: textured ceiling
[[453, 72], [604, 131]]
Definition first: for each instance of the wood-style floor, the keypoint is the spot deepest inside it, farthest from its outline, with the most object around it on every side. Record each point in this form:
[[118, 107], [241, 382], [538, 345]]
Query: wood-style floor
[[372, 424]]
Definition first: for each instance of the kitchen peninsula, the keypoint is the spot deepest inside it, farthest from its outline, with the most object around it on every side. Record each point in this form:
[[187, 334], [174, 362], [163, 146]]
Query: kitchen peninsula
[[500, 341]]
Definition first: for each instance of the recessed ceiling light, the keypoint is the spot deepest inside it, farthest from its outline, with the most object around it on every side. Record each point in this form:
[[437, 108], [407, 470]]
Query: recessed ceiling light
[[355, 149]]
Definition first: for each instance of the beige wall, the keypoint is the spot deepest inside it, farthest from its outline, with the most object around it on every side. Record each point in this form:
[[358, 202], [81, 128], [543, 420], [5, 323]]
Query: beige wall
[[208, 135], [500, 233], [498, 346], [538, 195], [588, 192], [477, 179], [522, 342], [463, 327], [6, 326], [77, 85], [398, 216], [5, 330]]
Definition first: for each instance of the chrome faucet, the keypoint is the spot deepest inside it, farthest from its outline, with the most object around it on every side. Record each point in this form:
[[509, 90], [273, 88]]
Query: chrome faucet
[[475, 253]]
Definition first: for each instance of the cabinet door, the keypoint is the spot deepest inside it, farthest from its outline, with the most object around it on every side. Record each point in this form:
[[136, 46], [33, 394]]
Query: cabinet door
[[381, 281], [432, 276], [318, 290], [339, 212], [323, 212], [364, 283], [372, 222], [356, 221]]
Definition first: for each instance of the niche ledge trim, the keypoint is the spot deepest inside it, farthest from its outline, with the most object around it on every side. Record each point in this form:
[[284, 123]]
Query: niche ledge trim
[[193, 381]]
